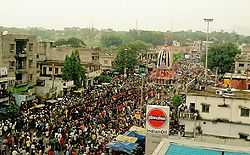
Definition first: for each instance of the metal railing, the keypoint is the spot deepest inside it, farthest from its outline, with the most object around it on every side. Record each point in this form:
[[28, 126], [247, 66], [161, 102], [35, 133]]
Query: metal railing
[[188, 116]]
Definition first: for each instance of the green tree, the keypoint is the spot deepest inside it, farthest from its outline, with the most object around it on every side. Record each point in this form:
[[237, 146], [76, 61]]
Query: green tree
[[221, 56], [111, 39], [12, 110], [104, 79], [177, 57], [71, 42], [75, 42], [72, 69], [176, 100], [126, 57]]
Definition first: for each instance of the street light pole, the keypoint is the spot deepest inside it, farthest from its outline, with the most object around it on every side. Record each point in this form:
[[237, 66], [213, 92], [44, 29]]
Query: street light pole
[[125, 67], [207, 20]]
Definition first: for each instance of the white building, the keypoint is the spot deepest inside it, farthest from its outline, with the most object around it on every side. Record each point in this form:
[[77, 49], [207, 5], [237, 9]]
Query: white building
[[222, 115]]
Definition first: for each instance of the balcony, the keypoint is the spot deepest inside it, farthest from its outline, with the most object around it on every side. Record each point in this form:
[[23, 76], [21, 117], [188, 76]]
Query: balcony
[[21, 69], [20, 82], [188, 116], [21, 55]]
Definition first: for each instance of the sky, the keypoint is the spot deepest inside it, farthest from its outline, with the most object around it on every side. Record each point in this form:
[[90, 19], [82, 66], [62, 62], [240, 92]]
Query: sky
[[162, 15]]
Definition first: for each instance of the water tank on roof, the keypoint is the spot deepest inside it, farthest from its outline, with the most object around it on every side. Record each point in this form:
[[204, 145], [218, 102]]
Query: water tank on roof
[[5, 33]]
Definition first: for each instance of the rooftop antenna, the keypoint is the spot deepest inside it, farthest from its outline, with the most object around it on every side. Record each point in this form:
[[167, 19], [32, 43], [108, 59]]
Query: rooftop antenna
[[136, 24]]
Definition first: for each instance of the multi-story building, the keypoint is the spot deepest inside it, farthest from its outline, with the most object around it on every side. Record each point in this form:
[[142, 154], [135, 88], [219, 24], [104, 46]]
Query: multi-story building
[[219, 113], [4, 96], [242, 61], [50, 66], [106, 60], [19, 52]]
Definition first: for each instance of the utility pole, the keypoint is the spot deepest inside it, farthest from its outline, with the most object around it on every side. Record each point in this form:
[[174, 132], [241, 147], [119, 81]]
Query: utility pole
[[125, 67], [207, 20]]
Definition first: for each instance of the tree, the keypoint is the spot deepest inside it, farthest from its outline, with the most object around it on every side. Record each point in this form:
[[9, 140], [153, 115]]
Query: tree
[[128, 54], [71, 42], [104, 79], [221, 56], [176, 100], [111, 39], [72, 69], [75, 42], [177, 57]]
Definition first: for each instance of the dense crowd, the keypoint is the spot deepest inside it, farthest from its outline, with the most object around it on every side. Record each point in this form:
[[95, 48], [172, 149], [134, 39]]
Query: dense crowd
[[77, 124]]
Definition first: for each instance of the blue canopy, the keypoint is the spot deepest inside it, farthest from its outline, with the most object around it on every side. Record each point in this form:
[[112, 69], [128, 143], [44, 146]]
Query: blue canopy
[[136, 135], [128, 148]]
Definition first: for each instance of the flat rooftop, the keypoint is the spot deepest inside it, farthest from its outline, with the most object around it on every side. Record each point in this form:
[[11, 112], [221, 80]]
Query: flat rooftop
[[211, 92], [191, 147]]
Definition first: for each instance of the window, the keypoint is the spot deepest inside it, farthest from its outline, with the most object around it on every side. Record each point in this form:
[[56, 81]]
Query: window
[[30, 63], [244, 112], [12, 64], [241, 65], [50, 69], [40, 82], [30, 77], [12, 47], [93, 58], [192, 107], [56, 70], [37, 65], [37, 56], [31, 47], [105, 62], [44, 70], [205, 108]]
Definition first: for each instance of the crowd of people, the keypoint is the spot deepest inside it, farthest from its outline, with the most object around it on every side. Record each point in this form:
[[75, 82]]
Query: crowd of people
[[77, 123]]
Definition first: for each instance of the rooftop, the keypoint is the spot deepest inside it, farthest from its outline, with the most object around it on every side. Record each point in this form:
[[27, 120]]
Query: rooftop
[[191, 147], [211, 92]]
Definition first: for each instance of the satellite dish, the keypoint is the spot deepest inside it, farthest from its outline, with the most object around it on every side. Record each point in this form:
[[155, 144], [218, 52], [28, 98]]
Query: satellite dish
[[5, 32]]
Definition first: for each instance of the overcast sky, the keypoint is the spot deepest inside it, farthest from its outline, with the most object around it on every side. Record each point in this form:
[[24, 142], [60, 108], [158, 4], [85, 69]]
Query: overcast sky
[[229, 15]]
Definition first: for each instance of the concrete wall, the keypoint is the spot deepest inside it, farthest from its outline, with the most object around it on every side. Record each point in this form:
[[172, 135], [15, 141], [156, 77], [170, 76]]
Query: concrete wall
[[231, 113], [216, 129], [43, 91]]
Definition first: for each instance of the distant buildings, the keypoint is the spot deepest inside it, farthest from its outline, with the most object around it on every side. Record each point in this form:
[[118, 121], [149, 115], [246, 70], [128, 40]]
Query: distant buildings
[[40, 63]]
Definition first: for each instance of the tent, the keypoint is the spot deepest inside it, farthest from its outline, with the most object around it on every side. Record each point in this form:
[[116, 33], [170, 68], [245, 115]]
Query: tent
[[139, 130], [38, 106], [128, 148], [125, 138]]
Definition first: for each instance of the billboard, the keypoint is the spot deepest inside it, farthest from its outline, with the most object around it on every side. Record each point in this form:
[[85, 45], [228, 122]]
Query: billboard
[[157, 126]]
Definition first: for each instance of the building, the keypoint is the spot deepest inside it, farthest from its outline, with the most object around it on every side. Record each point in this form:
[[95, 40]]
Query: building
[[242, 61], [50, 67], [19, 52], [217, 113], [173, 146], [106, 60], [4, 81]]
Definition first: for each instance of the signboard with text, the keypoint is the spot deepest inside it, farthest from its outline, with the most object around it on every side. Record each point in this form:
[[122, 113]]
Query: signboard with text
[[157, 126]]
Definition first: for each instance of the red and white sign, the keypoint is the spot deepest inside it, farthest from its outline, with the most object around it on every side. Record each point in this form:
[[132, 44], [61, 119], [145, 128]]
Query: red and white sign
[[157, 126], [156, 118]]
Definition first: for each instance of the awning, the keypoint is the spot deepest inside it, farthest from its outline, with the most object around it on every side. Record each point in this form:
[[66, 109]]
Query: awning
[[124, 138], [51, 101], [128, 148], [136, 135], [138, 130], [38, 106]]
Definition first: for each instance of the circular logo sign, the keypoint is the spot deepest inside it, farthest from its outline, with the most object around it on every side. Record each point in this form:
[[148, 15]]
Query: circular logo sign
[[156, 118]]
